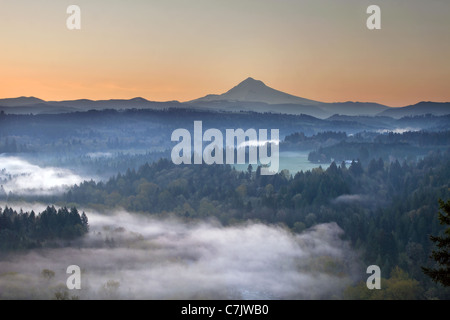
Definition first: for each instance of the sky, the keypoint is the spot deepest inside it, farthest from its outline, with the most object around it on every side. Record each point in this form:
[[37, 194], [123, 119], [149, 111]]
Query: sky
[[185, 49]]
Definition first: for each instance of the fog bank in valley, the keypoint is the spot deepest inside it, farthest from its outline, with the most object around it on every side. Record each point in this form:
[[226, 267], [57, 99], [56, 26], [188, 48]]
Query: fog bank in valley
[[128, 256], [24, 178]]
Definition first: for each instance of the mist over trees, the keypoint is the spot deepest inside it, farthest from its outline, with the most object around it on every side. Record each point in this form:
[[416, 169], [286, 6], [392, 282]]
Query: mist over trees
[[386, 209], [381, 188]]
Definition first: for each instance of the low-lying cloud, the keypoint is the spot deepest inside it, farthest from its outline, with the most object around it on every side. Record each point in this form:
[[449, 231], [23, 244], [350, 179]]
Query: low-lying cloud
[[351, 198], [127, 256], [398, 130], [24, 178]]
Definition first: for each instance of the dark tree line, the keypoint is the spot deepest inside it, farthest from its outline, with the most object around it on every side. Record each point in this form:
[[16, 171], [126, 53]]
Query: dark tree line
[[367, 146], [25, 230], [418, 138]]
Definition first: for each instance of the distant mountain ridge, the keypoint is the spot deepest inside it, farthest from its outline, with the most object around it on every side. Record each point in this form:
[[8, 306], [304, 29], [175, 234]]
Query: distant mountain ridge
[[249, 95], [255, 95], [15, 105], [20, 101], [421, 108], [251, 90]]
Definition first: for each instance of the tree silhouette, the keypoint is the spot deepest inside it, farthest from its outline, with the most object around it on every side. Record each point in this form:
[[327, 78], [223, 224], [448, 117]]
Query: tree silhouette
[[441, 274]]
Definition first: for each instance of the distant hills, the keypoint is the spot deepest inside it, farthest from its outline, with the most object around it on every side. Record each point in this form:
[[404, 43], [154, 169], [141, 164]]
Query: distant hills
[[20, 102], [434, 108], [249, 95], [25, 106]]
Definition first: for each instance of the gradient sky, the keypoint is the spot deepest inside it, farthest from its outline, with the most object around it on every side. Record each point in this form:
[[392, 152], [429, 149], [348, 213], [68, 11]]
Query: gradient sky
[[184, 49]]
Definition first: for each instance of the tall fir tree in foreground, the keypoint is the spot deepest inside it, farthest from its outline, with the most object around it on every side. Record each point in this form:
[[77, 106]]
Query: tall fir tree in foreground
[[441, 274]]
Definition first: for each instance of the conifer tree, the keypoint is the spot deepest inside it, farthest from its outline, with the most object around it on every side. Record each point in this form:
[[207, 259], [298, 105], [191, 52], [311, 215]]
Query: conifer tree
[[441, 274]]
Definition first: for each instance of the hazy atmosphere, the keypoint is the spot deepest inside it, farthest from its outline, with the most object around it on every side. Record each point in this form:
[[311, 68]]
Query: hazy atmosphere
[[181, 50], [179, 260], [224, 150]]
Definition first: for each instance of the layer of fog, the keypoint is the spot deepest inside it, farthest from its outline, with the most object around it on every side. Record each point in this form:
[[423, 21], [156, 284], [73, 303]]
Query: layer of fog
[[351, 198], [24, 178], [99, 155], [127, 256], [398, 130], [257, 143], [25, 206]]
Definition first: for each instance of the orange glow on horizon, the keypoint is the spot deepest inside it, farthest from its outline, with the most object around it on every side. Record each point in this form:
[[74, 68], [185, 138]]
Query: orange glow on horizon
[[175, 50]]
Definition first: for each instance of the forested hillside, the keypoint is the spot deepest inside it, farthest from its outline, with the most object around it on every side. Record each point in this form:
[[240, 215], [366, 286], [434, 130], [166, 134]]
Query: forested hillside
[[387, 210], [380, 187]]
